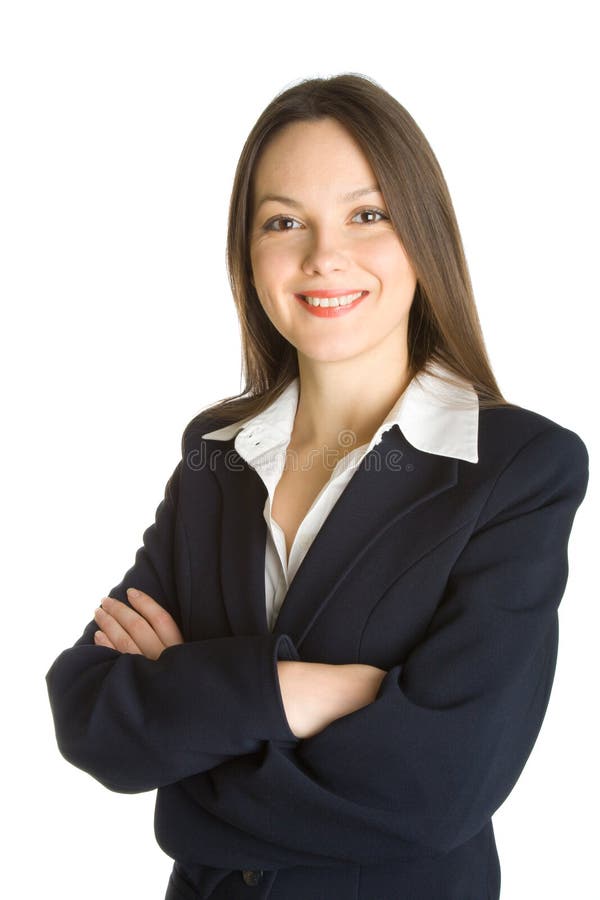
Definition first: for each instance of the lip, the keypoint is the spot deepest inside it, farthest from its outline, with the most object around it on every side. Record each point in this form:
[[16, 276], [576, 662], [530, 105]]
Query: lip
[[331, 312], [324, 294]]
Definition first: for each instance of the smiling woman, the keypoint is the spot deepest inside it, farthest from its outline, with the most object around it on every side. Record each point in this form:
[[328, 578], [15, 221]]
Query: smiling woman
[[345, 633], [330, 248]]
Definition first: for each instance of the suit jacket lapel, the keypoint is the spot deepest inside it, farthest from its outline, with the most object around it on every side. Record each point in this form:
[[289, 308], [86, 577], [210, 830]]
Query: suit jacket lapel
[[243, 543], [392, 480]]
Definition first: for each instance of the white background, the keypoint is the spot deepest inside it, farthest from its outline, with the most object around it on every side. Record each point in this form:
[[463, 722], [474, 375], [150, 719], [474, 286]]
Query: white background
[[121, 124]]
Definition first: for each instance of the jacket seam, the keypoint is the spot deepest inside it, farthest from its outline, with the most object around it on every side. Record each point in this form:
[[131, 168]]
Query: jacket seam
[[185, 450], [504, 469], [489, 857], [187, 625], [406, 571]]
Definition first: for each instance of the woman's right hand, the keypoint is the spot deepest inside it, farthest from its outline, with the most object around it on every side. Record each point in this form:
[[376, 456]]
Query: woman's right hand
[[315, 694], [145, 627]]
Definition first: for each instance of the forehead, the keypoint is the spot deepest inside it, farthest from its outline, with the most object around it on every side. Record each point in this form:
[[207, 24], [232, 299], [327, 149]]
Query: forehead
[[309, 155]]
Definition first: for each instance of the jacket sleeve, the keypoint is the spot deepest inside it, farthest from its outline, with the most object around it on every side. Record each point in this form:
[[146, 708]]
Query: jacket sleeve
[[135, 724], [423, 767]]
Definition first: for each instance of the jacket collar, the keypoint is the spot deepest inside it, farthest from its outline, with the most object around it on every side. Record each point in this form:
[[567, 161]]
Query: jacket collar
[[433, 415], [388, 503]]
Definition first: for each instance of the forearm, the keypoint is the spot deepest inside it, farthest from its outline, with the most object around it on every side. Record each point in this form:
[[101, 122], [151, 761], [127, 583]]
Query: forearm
[[315, 694], [136, 724]]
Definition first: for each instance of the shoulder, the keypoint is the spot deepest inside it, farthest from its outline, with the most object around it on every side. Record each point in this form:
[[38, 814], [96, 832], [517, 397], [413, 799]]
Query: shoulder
[[530, 458], [506, 431], [202, 423]]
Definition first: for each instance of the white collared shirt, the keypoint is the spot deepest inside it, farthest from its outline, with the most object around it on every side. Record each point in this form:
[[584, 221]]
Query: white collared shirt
[[433, 416]]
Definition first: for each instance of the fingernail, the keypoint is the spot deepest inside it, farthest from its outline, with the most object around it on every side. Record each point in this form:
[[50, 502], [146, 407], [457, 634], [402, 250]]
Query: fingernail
[[132, 592]]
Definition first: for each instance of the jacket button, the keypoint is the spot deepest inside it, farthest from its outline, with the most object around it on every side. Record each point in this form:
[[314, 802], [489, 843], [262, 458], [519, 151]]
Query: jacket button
[[252, 876]]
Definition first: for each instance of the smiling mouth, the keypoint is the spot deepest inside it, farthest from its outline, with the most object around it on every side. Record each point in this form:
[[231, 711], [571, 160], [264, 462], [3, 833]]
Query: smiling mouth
[[333, 302]]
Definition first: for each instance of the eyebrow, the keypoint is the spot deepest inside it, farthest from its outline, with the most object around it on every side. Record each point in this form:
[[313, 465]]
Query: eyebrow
[[344, 198]]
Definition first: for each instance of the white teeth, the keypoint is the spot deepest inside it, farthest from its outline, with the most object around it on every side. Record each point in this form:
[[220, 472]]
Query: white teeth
[[332, 301]]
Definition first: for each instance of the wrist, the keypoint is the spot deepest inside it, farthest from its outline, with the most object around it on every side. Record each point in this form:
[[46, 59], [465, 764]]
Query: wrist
[[315, 694]]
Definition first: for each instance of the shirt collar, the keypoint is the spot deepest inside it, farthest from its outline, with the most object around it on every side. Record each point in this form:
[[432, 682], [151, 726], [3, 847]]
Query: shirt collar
[[434, 416]]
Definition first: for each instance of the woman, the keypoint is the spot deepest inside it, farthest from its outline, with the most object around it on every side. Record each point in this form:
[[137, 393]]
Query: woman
[[345, 632]]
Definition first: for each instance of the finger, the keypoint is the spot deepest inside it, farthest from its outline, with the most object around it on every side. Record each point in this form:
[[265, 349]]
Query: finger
[[162, 622], [134, 626], [115, 632], [101, 639]]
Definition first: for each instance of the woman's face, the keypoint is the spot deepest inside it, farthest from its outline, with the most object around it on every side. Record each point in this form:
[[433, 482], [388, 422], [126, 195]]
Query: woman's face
[[324, 241]]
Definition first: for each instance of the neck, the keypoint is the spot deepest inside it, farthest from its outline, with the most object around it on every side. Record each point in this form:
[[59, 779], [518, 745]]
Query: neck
[[342, 403]]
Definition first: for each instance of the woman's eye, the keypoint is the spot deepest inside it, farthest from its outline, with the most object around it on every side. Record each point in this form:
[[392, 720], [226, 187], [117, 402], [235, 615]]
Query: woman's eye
[[268, 226], [376, 212], [363, 212]]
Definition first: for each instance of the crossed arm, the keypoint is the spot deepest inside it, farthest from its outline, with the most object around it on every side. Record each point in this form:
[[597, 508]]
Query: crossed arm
[[418, 767], [313, 694]]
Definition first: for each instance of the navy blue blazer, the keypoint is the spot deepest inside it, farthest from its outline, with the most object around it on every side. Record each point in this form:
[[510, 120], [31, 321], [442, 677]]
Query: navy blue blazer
[[445, 573]]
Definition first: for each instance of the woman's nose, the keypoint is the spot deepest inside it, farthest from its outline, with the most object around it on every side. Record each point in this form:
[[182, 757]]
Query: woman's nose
[[326, 251]]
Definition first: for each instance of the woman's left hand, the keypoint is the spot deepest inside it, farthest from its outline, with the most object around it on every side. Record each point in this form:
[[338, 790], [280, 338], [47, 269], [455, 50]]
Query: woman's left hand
[[147, 629]]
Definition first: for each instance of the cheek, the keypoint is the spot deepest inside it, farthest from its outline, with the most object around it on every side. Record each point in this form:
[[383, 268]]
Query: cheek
[[268, 260], [387, 255], [273, 271]]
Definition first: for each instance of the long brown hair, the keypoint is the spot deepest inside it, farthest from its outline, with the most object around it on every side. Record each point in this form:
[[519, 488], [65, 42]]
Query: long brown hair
[[443, 323]]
